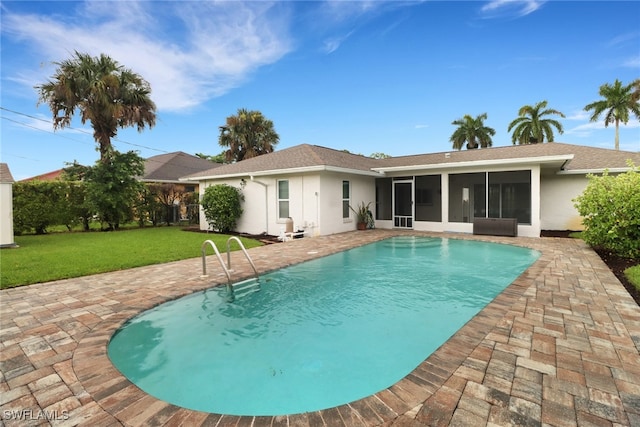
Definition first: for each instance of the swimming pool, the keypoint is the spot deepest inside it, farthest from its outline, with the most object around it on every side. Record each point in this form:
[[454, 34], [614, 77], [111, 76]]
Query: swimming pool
[[318, 334]]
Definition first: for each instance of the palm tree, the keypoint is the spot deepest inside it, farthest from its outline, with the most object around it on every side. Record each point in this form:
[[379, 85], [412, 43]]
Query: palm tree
[[531, 127], [618, 101], [635, 95], [107, 94], [247, 134], [472, 131]]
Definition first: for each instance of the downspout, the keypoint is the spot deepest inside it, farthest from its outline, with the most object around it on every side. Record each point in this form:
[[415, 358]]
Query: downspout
[[266, 203]]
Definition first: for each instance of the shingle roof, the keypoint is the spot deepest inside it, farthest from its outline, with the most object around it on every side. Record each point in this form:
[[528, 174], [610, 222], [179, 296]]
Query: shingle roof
[[5, 173], [49, 176], [579, 158], [584, 158], [172, 166], [299, 156]]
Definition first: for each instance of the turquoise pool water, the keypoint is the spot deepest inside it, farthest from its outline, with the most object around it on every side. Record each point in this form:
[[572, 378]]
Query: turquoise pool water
[[318, 334]]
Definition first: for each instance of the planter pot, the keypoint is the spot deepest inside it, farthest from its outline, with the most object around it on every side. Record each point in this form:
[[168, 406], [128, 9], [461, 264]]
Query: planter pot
[[362, 226]]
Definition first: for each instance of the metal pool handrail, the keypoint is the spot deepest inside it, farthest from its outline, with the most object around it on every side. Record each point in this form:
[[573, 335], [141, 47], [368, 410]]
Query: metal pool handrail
[[204, 261], [246, 254]]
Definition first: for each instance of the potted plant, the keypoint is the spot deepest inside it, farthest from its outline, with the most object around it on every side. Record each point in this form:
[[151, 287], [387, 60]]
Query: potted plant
[[363, 215]]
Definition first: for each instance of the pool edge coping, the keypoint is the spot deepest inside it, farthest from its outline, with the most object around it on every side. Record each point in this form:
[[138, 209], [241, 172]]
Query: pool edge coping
[[127, 403]]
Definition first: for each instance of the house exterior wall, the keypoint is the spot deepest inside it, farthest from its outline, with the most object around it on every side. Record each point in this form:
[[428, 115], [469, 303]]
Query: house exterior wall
[[362, 190], [315, 202], [557, 192]]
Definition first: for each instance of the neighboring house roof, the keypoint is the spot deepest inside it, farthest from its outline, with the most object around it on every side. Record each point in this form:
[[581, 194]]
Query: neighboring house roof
[[567, 158], [301, 158], [171, 166], [49, 176], [5, 174]]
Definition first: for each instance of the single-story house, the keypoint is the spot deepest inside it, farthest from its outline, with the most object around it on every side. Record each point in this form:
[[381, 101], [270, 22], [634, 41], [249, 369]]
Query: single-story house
[[164, 171], [315, 186], [170, 167], [6, 207]]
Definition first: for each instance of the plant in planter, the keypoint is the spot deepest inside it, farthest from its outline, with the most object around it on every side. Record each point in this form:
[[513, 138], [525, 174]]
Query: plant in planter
[[364, 217]]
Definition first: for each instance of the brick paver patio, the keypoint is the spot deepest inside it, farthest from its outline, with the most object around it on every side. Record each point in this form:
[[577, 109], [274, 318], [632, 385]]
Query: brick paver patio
[[559, 347]]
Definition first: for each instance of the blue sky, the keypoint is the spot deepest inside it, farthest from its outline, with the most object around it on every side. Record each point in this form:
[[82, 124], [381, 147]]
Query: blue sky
[[365, 76]]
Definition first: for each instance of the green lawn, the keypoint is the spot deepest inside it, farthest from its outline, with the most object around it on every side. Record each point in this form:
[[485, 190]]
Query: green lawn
[[64, 255], [633, 274]]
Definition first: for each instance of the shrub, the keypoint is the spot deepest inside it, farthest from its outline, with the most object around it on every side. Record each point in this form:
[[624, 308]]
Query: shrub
[[221, 204], [38, 205], [610, 207]]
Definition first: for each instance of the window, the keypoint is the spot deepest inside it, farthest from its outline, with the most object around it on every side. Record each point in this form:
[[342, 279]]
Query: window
[[510, 195], [346, 199], [383, 198], [283, 199], [428, 201], [466, 196]]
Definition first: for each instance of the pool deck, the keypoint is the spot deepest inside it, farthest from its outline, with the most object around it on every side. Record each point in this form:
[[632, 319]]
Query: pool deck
[[559, 347]]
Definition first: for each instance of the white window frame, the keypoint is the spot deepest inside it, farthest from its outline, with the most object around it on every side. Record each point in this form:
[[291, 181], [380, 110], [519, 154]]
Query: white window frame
[[346, 214], [282, 200]]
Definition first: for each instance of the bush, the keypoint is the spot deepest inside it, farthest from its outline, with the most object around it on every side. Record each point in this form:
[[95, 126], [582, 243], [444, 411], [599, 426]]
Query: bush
[[221, 204], [38, 205], [610, 207]]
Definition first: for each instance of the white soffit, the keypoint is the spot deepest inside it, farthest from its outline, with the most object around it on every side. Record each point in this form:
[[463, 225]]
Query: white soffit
[[559, 160]]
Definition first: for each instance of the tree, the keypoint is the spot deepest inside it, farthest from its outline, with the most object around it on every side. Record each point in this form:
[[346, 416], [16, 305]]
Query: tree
[[472, 131], [106, 94], [217, 158], [635, 95], [112, 188], [531, 127], [610, 207], [619, 100], [222, 206], [247, 134], [170, 197]]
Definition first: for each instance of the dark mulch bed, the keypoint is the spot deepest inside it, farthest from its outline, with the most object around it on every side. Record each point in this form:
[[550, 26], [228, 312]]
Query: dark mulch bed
[[264, 238], [615, 263]]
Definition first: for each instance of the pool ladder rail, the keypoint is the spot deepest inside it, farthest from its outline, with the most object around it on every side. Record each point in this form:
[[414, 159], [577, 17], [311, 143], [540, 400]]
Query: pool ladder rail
[[238, 289]]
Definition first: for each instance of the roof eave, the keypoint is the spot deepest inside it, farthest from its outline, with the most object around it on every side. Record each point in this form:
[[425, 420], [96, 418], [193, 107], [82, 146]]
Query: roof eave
[[161, 181], [560, 159], [593, 171], [289, 171]]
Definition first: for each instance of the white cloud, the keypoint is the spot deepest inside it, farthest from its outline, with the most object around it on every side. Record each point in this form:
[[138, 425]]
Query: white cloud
[[589, 128], [580, 115], [211, 48], [334, 15], [332, 44], [633, 62], [624, 39], [518, 8]]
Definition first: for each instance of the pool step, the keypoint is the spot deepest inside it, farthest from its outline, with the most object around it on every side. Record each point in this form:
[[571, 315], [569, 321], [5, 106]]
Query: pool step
[[245, 287]]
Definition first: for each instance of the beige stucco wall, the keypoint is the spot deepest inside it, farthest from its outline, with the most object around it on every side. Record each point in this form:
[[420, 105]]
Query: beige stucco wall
[[315, 202], [556, 206]]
